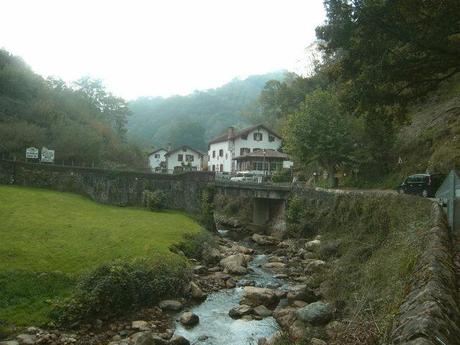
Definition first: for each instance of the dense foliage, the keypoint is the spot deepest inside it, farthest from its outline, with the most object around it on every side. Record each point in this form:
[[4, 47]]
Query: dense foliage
[[116, 288], [379, 58], [194, 119], [82, 122]]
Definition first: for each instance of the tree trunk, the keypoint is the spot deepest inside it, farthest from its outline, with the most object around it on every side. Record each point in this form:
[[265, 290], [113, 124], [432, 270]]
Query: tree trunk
[[331, 175]]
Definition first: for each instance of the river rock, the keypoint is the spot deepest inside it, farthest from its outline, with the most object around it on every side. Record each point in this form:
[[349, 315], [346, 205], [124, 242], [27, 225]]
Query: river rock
[[276, 266], [313, 245], [170, 305], [196, 292], [239, 311], [200, 269], [301, 293], [285, 316], [262, 311], [178, 340], [140, 325], [189, 319], [316, 313], [316, 341], [298, 330], [242, 249], [235, 264], [211, 256], [313, 266], [255, 296], [26, 339], [265, 240], [147, 338]]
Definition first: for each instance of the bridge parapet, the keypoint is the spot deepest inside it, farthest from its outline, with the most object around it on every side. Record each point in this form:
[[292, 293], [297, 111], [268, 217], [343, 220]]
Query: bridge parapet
[[278, 191]]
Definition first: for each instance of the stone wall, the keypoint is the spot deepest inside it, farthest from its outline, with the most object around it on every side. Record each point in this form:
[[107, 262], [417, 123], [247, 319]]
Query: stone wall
[[123, 188], [430, 314]]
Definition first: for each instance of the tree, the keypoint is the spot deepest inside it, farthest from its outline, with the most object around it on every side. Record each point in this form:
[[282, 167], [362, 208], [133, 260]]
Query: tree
[[391, 52], [320, 132]]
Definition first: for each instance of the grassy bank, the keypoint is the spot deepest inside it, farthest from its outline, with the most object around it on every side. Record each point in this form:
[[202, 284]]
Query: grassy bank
[[48, 238], [371, 243]]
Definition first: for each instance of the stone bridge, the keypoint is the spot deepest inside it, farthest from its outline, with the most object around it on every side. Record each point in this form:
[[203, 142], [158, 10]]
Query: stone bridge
[[269, 199]]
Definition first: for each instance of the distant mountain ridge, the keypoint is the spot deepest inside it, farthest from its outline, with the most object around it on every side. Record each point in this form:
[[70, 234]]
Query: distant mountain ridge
[[196, 118]]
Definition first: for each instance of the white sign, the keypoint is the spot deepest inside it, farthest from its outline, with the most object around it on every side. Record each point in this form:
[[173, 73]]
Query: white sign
[[32, 153], [47, 155]]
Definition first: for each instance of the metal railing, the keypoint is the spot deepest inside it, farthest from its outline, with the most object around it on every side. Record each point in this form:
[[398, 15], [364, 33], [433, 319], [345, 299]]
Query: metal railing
[[449, 197]]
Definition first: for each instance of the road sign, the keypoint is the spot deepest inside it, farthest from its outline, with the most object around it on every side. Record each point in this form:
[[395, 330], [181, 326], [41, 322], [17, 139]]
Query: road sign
[[32, 153], [47, 155]]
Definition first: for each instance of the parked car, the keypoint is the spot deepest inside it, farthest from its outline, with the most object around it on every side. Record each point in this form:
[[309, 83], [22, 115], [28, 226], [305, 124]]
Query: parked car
[[425, 185]]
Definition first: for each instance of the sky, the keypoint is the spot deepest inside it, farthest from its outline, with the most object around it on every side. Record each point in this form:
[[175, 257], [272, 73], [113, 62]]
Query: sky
[[159, 47]]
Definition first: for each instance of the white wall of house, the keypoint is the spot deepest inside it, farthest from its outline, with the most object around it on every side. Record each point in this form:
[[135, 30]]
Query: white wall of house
[[232, 148], [185, 155], [156, 158]]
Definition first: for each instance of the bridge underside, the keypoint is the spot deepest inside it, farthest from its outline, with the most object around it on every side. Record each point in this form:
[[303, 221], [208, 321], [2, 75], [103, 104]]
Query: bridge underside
[[265, 210]]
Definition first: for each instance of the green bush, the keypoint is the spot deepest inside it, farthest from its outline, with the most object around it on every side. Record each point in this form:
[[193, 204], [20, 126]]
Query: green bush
[[297, 218], [206, 215], [283, 175], [119, 287], [155, 201], [193, 245]]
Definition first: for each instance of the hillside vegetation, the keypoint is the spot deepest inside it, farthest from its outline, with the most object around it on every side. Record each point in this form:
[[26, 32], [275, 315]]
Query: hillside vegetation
[[196, 118], [48, 238]]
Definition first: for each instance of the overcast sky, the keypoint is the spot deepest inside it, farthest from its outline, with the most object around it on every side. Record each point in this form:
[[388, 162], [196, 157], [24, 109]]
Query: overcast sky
[[159, 47]]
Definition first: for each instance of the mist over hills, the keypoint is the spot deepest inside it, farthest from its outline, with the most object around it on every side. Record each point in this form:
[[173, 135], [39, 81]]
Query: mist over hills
[[196, 118]]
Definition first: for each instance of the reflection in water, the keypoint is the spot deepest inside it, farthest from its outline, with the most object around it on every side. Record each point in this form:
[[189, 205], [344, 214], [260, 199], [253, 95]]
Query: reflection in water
[[217, 328]]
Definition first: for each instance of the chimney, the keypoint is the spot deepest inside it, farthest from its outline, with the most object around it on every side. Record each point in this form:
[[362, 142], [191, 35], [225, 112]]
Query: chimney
[[169, 148], [231, 132]]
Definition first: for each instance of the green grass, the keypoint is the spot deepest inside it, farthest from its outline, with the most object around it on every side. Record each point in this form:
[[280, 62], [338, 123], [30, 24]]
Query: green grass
[[47, 238]]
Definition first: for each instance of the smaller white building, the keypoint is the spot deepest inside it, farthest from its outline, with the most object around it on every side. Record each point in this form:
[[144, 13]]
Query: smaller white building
[[157, 160], [184, 158]]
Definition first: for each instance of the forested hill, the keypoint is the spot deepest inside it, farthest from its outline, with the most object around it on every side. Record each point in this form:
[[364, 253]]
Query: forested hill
[[196, 118]]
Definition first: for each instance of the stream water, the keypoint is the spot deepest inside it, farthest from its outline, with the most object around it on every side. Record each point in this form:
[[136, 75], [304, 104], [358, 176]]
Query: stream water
[[216, 327]]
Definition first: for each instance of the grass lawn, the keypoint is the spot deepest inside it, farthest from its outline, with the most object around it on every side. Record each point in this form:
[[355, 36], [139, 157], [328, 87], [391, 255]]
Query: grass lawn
[[48, 237]]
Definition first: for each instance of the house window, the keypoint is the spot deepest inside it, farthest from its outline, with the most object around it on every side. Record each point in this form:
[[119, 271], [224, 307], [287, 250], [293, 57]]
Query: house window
[[255, 149], [189, 158], [213, 167], [244, 136], [221, 168], [244, 150], [271, 138], [221, 153], [258, 136], [213, 154], [157, 155], [180, 157]]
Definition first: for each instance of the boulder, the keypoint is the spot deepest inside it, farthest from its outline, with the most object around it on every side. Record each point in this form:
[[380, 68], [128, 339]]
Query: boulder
[[276, 266], [301, 293], [196, 292], [313, 245], [262, 311], [242, 249], [316, 313], [170, 305], [26, 339], [265, 240], [239, 311], [285, 316], [255, 296], [314, 266], [147, 338], [200, 269], [178, 340], [235, 264], [211, 255], [316, 341], [140, 325], [189, 319], [298, 330]]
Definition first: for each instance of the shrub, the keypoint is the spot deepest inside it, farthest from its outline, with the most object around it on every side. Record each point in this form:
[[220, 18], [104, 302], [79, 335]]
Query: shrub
[[193, 245], [206, 215], [119, 287], [155, 201], [284, 175]]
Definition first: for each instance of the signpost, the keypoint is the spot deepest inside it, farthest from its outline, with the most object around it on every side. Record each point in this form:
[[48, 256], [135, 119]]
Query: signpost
[[47, 155], [31, 153]]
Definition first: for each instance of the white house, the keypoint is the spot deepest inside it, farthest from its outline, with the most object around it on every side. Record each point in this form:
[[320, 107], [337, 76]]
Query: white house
[[184, 158], [224, 149], [157, 159]]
